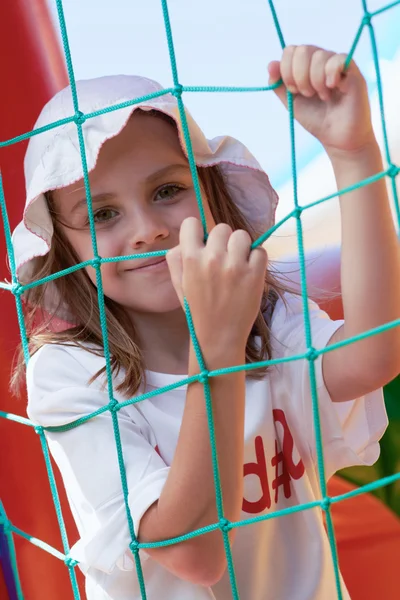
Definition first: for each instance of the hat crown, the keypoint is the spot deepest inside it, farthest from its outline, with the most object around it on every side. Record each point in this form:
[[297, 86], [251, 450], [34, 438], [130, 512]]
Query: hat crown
[[93, 95]]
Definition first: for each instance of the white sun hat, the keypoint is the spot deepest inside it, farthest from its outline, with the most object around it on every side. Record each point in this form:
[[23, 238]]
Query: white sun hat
[[53, 158]]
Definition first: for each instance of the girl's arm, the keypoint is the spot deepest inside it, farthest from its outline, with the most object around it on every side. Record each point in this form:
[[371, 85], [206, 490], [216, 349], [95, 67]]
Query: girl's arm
[[215, 279], [187, 501], [370, 281], [333, 106]]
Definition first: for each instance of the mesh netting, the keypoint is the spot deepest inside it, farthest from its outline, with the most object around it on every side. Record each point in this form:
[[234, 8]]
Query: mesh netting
[[114, 406]]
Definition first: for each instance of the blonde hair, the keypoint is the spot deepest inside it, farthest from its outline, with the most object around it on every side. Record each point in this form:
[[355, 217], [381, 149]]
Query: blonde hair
[[79, 294]]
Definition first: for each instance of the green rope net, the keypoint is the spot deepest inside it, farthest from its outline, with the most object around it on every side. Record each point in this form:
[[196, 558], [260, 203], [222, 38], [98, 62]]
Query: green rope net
[[114, 406]]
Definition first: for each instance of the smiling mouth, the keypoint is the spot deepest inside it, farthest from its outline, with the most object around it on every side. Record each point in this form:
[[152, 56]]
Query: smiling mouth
[[150, 265]]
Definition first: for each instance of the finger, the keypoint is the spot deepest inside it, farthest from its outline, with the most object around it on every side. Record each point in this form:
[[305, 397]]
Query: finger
[[239, 246], [258, 259], [301, 62], [191, 237], [217, 242], [286, 69], [317, 72], [175, 265], [334, 70], [274, 70], [174, 260]]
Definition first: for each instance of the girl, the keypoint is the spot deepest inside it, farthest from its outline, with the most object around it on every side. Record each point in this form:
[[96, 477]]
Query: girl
[[144, 201]]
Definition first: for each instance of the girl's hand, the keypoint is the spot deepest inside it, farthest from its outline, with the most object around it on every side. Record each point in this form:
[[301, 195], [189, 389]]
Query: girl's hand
[[329, 103], [222, 280]]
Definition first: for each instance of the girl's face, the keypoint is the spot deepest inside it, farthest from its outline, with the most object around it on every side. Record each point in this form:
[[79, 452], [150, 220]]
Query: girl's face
[[142, 190]]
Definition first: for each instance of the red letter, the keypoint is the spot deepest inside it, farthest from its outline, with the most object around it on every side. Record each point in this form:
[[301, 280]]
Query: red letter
[[258, 468], [289, 469]]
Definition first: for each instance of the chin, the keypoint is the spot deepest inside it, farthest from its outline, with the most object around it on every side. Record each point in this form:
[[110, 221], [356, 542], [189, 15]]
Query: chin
[[158, 303]]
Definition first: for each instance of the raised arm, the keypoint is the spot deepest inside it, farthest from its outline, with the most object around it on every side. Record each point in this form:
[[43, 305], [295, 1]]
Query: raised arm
[[334, 107], [370, 269]]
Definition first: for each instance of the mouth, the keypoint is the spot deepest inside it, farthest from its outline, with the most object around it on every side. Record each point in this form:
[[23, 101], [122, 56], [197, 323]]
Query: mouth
[[151, 264]]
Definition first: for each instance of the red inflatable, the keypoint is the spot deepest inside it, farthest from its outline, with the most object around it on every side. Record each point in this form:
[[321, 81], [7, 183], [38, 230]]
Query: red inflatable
[[32, 70]]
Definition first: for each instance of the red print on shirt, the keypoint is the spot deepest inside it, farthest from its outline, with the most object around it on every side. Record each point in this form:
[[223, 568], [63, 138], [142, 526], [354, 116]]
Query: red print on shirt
[[283, 458], [258, 468], [157, 449]]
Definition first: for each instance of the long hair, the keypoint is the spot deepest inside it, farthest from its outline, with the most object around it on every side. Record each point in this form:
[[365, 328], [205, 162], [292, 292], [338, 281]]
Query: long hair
[[79, 294]]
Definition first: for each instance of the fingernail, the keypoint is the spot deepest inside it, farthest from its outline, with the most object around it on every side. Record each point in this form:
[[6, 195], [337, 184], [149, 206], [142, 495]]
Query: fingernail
[[330, 81]]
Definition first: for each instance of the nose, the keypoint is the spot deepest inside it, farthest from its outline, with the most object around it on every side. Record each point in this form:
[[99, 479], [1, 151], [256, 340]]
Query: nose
[[146, 228]]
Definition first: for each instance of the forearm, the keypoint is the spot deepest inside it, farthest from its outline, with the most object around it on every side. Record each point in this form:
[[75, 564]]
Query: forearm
[[191, 474], [370, 265], [188, 499]]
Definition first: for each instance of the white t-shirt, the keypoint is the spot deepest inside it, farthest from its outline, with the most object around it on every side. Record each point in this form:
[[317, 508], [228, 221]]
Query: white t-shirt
[[284, 558]]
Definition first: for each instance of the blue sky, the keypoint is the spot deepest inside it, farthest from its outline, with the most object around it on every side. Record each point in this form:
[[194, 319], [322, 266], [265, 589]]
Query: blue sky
[[223, 42]]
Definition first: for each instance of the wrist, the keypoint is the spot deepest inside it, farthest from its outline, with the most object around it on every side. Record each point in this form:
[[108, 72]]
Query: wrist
[[217, 356], [364, 152]]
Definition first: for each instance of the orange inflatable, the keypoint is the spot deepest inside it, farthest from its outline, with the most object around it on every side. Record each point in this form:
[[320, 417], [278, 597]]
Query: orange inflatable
[[367, 532], [32, 70], [368, 542]]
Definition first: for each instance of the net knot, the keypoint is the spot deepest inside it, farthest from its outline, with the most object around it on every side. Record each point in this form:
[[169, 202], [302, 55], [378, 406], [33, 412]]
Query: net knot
[[70, 562], [225, 525], [96, 262], [39, 429], [326, 502], [366, 20], [16, 288], [113, 406], [297, 211], [134, 547], [312, 354], [79, 117], [203, 377], [393, 171], [178, 89]]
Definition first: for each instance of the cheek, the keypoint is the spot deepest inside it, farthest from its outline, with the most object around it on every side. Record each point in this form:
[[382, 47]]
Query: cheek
[[190, 208], [82, 244], [107, 245], [92, 275], [108, 277]]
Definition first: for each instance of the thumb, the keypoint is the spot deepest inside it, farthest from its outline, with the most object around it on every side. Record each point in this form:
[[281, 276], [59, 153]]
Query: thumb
[[274, 71], [175, 265]]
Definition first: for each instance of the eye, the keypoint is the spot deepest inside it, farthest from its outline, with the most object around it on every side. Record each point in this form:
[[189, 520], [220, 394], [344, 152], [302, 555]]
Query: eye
[[104, 214], [167, 192]]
